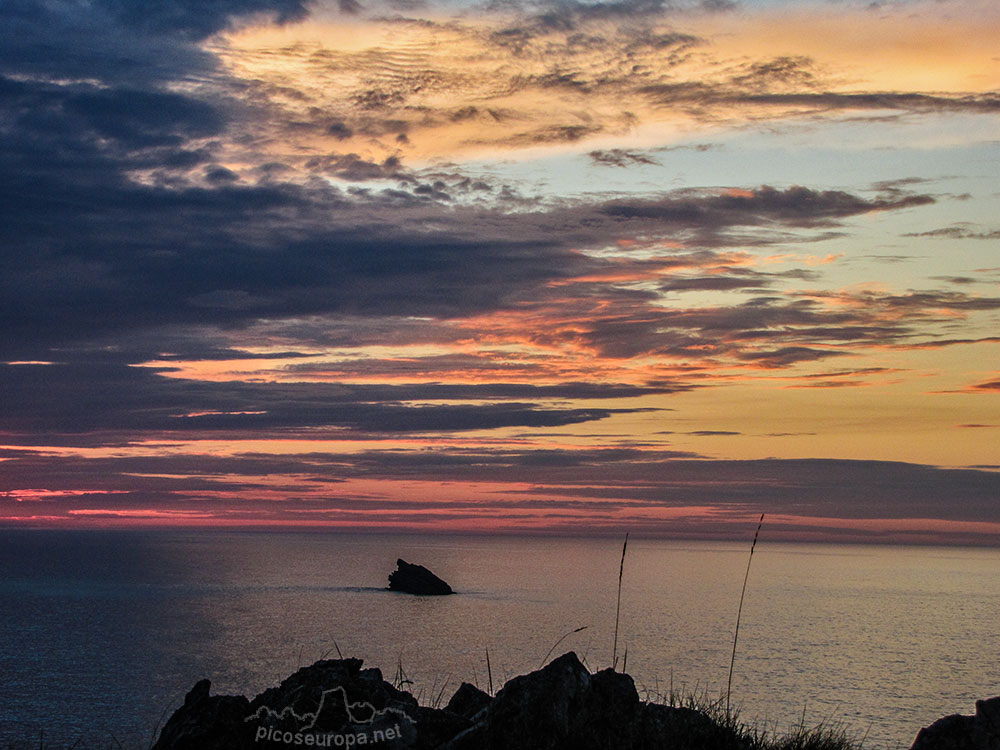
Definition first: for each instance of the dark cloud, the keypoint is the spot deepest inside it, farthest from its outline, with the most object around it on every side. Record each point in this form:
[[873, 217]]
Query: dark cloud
[[198, 19], [958, 232], [796, 206], [962, 280], [789, 355], [554, 134], [848, 373], [339, 130], [599, 481], [985, 103], [831, 384], [115, 398], [93, 251], [989, 385], [619, 157], [941, 343], [353, 168], [931, 300], [742, 279], [540, 18], [65, 41], [169, 254], [220, 175], [780, 71], [744, 89]]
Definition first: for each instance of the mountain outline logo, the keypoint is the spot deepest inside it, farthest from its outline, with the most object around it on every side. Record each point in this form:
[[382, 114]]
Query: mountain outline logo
[[351, 709]]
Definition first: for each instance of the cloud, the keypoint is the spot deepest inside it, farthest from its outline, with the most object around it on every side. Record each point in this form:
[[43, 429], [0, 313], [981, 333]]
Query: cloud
[[353, 168], [277, 214], [796, 206], [552, 76], [789, 355], [196, 20], [169, 254], [830, 101], [558, 488], [958, 232], [989, 385], [619, 157], [75, 399]]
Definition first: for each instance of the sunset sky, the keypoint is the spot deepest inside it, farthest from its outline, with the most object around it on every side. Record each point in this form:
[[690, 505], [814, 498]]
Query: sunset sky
[[548, 265]]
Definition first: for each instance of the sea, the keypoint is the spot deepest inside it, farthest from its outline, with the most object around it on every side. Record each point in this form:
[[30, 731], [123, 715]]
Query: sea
[[102, 632]]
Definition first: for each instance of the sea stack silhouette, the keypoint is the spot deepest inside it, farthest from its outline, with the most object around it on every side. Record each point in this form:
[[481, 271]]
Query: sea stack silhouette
[[416, 579]]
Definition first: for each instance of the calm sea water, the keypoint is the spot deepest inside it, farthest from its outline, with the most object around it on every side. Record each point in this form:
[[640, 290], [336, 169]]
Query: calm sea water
[[102, 632]]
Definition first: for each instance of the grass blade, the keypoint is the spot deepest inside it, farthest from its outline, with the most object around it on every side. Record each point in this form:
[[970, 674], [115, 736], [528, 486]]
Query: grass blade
[[618, 608], [564, 636], [489, 670], [739, 612]]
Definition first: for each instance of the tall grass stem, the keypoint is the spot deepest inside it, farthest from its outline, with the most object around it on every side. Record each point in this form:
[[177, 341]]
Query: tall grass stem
[[489, 670], [618, 608], [739, 613]]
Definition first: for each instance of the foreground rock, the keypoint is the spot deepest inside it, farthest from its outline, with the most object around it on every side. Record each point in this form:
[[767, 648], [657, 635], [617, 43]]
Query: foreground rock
[[564, 707], [336, 703], [332, 703], [957, 732], [416, 579]]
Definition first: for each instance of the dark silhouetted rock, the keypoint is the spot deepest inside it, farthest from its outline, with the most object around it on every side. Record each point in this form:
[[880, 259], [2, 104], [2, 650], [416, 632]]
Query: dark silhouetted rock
[[336, 696], [416, 579], [559, 707], [957, 732], [468, 701], [435, 727], [564, 707], [331, 697], [540, 710], [206, 722], [545, 709], [609, 718], [686, 729]]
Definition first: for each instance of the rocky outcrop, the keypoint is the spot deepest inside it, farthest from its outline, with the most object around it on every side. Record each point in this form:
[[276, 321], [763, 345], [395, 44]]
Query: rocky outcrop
[[333, 703], [563, 706], [337, 703], [958, 732], [468, 701], [416, 579], [205, 722]]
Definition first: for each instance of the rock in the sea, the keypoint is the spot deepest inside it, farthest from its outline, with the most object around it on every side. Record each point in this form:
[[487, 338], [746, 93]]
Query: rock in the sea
[[416, 579], [957, 732]]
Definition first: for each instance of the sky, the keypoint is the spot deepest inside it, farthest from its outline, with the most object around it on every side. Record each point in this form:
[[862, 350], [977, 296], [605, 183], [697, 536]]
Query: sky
[[532, 266]]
